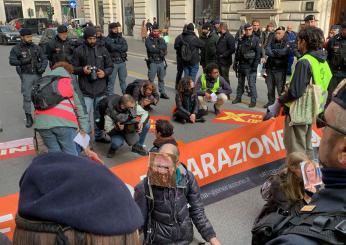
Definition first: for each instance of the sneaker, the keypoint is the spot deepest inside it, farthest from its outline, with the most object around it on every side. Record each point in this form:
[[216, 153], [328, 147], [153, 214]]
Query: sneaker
[[139, 150], [111, 153], [236, 101], [164, 96], [216, 111], [252, 104]]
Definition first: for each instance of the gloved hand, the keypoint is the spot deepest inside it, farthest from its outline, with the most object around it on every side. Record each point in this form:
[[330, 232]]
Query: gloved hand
[[25, 61]]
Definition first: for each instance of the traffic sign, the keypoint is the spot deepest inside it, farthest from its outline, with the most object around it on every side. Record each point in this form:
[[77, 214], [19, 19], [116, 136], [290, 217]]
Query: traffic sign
[[72, 4]]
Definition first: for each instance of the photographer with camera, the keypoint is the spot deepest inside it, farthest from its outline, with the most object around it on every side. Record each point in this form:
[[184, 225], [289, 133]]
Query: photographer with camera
[[125, 120], [30, 62], [93, 65]]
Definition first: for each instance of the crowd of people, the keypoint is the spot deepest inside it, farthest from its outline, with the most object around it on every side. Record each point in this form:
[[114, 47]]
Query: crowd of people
[[78, 95]]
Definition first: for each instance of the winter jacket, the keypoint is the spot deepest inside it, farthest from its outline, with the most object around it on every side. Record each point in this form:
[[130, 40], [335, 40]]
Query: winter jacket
[[137, 92], [248, 53], [101, 40], [171, 219], [336, 49], [65, 114], [277, 52], [194, 43], [224, 88], [208, 54], [97, 56], [58, 50], [30, 58], [117, 47], [156, 49], [187, 104], [225, 47]]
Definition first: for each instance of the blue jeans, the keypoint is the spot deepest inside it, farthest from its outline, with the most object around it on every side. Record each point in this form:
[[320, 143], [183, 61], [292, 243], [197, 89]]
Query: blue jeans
[[159, 69], [91, 104], [121, 70], [117, 140], [191, 71], [60, 139]]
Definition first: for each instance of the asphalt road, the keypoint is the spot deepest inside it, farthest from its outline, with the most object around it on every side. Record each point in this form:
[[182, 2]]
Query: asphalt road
[[232, 217]]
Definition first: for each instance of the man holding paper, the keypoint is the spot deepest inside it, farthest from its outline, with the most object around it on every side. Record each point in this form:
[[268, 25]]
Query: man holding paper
[[211, 87]]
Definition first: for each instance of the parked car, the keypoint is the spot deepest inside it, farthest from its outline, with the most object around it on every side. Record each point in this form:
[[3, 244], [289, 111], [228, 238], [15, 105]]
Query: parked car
[[9, 35]]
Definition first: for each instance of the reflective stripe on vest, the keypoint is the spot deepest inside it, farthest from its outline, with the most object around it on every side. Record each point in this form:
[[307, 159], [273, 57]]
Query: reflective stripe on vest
[[204, 84], [321, 76]]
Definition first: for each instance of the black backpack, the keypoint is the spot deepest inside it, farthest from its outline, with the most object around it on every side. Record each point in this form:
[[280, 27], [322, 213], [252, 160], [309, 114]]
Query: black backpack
[[45, 94], [185, 51]]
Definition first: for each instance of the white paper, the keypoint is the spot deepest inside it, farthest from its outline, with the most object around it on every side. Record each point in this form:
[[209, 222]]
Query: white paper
[[275, 108], [81, 140], [213, 97]]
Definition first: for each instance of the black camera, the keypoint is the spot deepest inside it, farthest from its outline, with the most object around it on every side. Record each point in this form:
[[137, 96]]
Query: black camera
[[93, 74]]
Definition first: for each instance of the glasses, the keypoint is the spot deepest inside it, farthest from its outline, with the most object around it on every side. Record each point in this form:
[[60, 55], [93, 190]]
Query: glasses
[[321, 123]]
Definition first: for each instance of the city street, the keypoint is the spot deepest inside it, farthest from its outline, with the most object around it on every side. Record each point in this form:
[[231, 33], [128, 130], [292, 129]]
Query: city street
[[232, 217]]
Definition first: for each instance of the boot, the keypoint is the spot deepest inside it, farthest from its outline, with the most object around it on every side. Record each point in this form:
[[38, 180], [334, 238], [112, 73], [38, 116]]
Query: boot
[[111, 152], [236, 101], [29, 120], [137, 148], [216, 111], [252, 104]]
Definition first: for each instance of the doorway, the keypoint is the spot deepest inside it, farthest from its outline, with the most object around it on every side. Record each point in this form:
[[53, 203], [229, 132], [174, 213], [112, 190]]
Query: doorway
[[338, 13], [163, 12], [128, 17]]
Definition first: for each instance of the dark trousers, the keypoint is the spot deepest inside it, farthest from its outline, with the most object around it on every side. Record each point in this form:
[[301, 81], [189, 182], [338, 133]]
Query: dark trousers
[[251, 78], [274, 79], [224, 72], [181, 115], [180, 70], [336, 79]]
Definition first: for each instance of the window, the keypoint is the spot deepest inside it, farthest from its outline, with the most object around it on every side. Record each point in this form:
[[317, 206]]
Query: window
[[205, 10], [128, 17]]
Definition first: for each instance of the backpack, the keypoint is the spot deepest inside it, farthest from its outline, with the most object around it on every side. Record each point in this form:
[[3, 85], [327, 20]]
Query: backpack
[[185, 51], [45, 94]]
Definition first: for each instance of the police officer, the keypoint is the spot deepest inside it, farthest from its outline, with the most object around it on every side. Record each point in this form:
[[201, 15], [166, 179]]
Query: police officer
[[157, 50], [117, 47], [276, 67], [310, 21], [337, 59], [101, 40], [247, 58], [60, 48], [30, 62]]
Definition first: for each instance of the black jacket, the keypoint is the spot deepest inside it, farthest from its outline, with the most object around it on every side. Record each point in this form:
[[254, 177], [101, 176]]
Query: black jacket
[[248, 54], [156, 49], [30, 58], [277, 52], [194, 43], [187, 104], [337, 54], [137, 91], [94, 56], [101, 40], [171, 217], [225, 47], [117, 47], [208, 54], [58, 50]]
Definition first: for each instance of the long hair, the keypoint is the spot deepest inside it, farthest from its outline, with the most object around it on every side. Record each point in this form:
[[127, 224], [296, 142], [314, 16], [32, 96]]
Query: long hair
[[291, 184], [149, 85], [313, 37], [307, 164], [27, 237], [184, 85]]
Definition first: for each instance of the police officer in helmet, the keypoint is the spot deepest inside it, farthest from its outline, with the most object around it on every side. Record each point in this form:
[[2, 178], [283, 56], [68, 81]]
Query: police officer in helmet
[[337, 59], [247, 58], [30, 62]]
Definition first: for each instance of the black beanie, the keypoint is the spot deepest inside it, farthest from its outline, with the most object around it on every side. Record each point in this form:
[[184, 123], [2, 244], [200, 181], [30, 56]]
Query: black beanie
[[61, 29], [89, 31], [190, 27], [25, 32], [79, 193]]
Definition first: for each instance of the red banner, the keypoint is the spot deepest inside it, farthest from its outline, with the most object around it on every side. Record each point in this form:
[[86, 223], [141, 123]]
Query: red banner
[[17, 148]]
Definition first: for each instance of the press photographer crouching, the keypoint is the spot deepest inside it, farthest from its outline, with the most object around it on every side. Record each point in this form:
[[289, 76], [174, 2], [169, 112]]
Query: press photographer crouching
[[125, 120], [144, 92]]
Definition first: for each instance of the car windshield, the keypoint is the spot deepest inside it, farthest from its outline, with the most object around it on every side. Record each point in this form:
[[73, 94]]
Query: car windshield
[[7, 29]]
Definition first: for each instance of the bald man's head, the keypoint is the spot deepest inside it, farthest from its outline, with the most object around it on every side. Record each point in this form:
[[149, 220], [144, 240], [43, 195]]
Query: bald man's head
[[170, 149]]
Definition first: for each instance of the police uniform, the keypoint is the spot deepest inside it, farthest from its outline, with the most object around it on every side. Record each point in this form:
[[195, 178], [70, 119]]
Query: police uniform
[[337, 60], [157, 50], [247, 58], [30, 62]]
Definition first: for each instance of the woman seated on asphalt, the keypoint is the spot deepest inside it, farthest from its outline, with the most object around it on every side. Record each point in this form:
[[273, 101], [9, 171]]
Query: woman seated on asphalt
[[144, 92], [164, 135], [187, 108], [283, 192]]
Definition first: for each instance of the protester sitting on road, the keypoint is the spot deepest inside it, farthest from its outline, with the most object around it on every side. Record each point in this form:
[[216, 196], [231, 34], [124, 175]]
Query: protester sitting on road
[[122, 123], [186, 99], [168, 219], [211, 87], [66, 199], [164, 135], [330, 201], [283, 191], [144, 92], [311, 66], [59, 124]]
